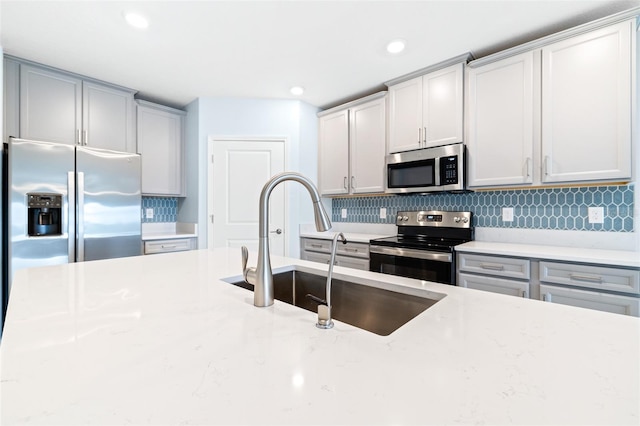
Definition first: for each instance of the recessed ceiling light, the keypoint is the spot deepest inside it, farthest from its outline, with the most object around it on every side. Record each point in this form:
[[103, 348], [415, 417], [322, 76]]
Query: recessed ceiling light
[[136, 20], [297, 90], [396, 46]]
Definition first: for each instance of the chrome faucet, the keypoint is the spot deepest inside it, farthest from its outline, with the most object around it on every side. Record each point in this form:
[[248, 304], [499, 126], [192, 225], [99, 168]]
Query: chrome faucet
[[324, 311], [261, 276]]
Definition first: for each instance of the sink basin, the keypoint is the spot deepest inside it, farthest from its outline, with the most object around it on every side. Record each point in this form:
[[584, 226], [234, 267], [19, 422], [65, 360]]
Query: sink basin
[[369, 308]]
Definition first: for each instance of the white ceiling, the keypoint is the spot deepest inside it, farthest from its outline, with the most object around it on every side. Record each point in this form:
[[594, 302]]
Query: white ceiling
[[334, 49]]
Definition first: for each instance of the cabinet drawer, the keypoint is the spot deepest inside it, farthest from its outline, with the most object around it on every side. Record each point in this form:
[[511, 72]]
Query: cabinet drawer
[[353, 249], [353, 262], [596, 277], [167, 246], [494, 285], [614, 303], [316, 257], [492, 265], [311, 244]]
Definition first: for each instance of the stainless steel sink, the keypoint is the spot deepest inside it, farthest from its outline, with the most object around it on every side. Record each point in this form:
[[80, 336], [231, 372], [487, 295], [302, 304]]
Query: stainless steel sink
[[373, 309]]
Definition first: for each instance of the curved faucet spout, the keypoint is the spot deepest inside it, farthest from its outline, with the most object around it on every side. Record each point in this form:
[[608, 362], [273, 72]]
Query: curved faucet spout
[[261, 276]]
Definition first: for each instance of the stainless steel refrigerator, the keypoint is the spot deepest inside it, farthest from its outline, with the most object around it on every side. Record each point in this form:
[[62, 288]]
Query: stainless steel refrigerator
[[65, 203]]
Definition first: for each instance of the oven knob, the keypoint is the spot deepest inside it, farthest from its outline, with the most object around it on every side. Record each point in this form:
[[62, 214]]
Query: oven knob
[[405, 218], [465, 219], [399, 218], [456, 219]]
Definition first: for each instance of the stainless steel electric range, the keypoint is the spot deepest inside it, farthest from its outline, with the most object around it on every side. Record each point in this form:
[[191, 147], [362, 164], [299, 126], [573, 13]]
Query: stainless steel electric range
[[424, 246]]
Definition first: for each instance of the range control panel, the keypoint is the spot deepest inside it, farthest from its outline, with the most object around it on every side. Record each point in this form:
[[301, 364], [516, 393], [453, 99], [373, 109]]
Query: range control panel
[[434, 218]]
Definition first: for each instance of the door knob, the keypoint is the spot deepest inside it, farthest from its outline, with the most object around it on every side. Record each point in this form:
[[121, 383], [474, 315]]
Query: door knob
[[277, 231]]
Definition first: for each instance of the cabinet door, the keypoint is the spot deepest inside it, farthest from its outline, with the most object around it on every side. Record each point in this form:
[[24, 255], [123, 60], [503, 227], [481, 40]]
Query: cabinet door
[[494, 285], [50, 105], [500, 138], [11, 99], [160, 144], [334, 153], [613, 303], [405, 116], [586, 106], [367, 147], [107, 118], [442, 97]]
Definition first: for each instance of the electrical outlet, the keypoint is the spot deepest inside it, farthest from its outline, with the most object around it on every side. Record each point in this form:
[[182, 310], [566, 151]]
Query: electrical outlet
[[507, 214], [596, 214], [344, 213], [383, 213], [149, 213]]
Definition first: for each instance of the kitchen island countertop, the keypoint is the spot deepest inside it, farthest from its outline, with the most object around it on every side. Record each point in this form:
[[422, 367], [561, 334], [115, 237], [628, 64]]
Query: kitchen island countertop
[[162, 340]]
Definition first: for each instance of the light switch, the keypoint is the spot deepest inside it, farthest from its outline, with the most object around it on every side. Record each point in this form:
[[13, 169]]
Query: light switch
[[149, 213], [383, 213], [344, 213]]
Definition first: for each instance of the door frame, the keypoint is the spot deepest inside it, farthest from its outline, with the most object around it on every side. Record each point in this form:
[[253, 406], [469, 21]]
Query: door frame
[[211, 140]]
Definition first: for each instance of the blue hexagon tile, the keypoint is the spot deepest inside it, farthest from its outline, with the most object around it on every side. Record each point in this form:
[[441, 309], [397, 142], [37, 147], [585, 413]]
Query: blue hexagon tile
[[165, 209], [552, 208]]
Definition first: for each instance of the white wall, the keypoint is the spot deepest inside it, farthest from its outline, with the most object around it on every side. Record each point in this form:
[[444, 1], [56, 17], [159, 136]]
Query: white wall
[[238, 117]]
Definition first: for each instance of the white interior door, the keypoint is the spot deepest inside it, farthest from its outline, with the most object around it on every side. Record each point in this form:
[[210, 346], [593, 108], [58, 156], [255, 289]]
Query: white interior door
[[237, 172]]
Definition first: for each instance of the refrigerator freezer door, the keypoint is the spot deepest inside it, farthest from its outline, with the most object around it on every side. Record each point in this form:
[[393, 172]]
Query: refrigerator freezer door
[[108, 197], [38, 167]]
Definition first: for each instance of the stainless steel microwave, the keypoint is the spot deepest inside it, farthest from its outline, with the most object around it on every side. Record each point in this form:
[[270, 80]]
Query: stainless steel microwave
[[435, 169]]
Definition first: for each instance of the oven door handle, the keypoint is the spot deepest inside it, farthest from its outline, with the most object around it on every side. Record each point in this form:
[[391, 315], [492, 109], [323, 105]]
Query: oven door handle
[[415, 254]]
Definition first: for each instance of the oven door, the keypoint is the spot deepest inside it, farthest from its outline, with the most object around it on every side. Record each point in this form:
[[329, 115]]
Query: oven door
[[419, 264]]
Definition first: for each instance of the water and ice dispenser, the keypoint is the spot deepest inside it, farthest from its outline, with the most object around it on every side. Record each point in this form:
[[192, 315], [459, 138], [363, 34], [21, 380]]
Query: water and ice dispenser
[[45, 214]]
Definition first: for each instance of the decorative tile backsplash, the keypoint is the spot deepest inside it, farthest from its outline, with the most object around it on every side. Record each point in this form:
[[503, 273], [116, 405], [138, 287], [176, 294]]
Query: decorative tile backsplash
[[553, 208], [165, 209]]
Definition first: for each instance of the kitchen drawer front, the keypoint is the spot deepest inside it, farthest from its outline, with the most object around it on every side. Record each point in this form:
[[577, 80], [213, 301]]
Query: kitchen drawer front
[[614, 303], [167, 246], [596, 277], [353, 249], [494, 285], [316, 257], [510, 267], [353, 262], [312, 244]]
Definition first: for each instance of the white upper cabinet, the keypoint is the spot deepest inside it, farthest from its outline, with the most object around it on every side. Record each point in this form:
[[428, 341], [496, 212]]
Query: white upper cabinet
[[405, 116], [160, 143], [427, 110], [50, 105], [367, 146], [500, 138], [560, 113], [586, 106], [108, 117], [334, 153], [352, 148], [61, 107]]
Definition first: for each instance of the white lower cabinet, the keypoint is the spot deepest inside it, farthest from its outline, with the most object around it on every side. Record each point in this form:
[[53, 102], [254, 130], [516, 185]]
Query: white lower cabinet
[[614, 303], [494, 285], [169, 245], [497, 274], [350, 255], [603, 288]]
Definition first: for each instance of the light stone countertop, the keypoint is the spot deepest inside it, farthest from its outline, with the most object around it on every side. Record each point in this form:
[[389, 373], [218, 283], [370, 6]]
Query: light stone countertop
[[161, 340], [623, 258], [350, 236]]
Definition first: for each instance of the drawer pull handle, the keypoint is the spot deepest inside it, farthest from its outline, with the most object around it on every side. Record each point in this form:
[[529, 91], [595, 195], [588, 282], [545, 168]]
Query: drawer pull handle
[[546, 297], [355, 250], [586, 278], [168, 247], [525, 294], [316, 245], [492, 266]]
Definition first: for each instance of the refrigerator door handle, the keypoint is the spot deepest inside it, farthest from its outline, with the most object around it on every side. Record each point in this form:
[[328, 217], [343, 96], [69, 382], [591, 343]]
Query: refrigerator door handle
[[71, 223], [80, 217]]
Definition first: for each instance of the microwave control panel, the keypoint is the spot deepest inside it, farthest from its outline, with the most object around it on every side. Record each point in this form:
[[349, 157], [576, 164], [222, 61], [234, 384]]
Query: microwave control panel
[[449, 170]]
